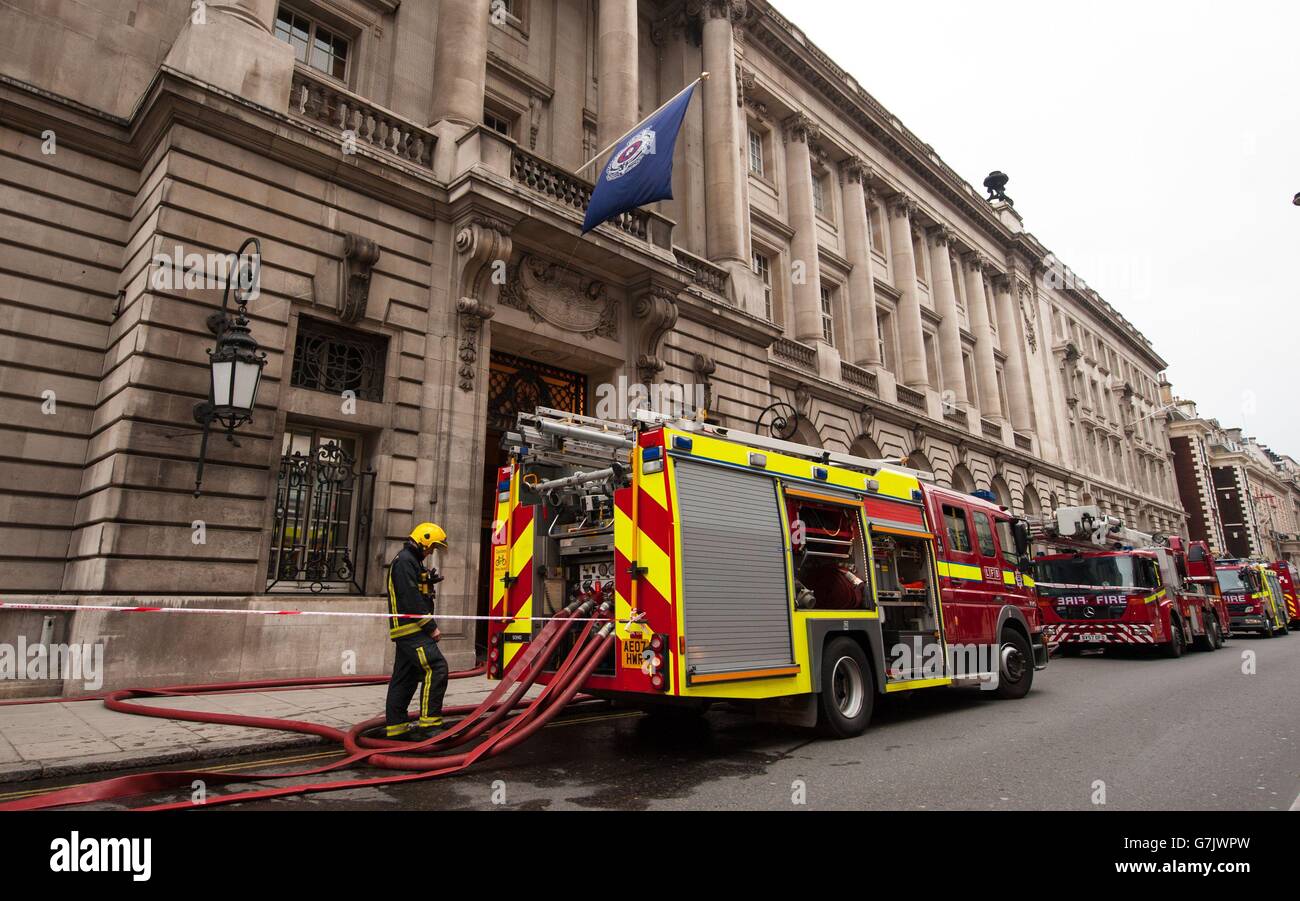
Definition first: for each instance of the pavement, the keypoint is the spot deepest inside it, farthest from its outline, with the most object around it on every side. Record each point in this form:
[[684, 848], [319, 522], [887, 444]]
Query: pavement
[[65, 738], [1210, 731]]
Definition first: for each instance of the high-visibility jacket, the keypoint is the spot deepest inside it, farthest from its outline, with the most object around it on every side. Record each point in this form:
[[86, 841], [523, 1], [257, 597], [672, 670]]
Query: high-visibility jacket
[[406, 594]]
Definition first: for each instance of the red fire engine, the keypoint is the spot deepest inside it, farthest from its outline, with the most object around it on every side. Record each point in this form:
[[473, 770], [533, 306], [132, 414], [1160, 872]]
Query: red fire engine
[[1105, 585], [1289, 579], [747, 568], [1254, 596]]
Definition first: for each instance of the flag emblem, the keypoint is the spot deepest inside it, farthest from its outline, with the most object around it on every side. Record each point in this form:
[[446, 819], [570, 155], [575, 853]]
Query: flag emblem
[[641, 146], [636, 173]]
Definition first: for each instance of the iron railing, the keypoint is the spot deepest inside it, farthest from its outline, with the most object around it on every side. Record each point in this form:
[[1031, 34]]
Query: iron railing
[[322, 523]]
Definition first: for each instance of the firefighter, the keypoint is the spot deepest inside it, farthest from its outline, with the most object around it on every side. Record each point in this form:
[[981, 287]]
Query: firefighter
[[417, 661]]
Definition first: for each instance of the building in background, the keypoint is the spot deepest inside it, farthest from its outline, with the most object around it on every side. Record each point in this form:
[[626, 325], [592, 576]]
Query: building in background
[[1240, 496], [409, 170]]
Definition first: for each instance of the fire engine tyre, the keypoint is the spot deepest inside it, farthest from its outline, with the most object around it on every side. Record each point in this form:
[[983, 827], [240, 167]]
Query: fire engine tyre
[[1176, 646], [848, 690], [1015, 666], [1211, 640]]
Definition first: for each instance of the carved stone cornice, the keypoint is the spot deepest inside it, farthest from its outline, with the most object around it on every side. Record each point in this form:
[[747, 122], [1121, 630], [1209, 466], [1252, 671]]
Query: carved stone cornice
[[359, 258], [472, 313], [483, 245], [941, 235], [745, 81], [856, 171], [670, 27], [802, 128], [901, 205], [704, 367], [656, 310], [717, 9], [563, 297]]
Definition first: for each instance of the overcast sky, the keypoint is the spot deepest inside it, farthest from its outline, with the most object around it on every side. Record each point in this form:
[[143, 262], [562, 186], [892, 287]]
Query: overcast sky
[[1153, 146]]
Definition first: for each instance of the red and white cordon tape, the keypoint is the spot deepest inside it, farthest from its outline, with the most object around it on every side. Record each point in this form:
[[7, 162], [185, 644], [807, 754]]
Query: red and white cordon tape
[[112, 608]]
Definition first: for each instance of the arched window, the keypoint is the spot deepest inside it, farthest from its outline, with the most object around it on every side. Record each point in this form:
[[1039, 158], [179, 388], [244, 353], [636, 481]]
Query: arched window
[[863, 446], [806, 432], [962, 480], [1001, 491], [1031, 503]]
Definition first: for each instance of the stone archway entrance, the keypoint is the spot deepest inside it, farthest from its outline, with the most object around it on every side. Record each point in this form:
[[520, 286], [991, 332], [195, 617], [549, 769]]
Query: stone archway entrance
[[515, 384]]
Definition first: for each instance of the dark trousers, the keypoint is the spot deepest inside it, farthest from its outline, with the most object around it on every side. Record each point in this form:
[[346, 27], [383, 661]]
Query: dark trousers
[[418, 663]]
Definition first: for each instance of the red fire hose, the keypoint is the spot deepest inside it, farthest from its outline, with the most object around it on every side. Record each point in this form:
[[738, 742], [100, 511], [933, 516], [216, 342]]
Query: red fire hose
[[522, 718]]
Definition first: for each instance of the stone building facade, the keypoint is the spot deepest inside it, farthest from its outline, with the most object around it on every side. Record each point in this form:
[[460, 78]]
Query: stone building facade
[[409, 171], [1240, 496]]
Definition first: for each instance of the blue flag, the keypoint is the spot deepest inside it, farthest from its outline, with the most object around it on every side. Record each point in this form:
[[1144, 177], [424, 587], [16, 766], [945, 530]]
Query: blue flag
[[640, 170]]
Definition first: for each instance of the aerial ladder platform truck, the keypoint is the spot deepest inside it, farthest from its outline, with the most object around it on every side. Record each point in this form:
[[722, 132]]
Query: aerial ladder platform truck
[[1103, 585], [746, 568]]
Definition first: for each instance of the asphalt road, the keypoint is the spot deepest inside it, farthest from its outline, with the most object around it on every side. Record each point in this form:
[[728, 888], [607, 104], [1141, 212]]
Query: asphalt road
[[1196, 733]]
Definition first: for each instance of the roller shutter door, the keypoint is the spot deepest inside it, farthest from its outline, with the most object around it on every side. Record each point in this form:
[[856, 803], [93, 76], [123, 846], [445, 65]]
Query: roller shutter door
[[737, 606]]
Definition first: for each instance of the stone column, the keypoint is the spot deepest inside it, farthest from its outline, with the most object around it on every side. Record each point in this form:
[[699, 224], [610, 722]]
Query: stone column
[[460, 62], [616, 49], [724, 209], [863, 327], [1017, 375], [804, 269], [910, 336], [945, 302], [235, 49], [977, 307]]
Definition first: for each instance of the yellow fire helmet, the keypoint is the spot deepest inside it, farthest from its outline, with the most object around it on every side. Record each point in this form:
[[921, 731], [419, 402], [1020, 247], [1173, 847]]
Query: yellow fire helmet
[[428, 534]]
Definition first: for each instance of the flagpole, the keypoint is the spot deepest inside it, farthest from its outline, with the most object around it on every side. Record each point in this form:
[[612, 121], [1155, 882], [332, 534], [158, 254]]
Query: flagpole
[[578, 171]]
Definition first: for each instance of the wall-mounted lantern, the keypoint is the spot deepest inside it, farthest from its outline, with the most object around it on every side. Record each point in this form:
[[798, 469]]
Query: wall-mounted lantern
[[236, 362]]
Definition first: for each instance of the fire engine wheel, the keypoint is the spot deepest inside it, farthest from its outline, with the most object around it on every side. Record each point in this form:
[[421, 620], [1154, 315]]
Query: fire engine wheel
[[848, 690], [1215, 632], [1015, 666], [1211, 640], [1177, 643]]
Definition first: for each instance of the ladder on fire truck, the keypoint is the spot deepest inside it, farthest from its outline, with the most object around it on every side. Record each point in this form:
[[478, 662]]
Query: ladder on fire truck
[[570, 438], [1088, 528]]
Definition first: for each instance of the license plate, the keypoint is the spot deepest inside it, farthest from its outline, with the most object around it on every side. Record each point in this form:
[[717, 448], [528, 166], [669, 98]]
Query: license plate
[[633, 653], [1090, 636]]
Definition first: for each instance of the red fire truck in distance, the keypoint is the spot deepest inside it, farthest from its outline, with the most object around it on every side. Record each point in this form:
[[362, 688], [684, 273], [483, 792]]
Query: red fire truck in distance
[[1254, 596], [1289, 578], [1106, 586], [750, 569]]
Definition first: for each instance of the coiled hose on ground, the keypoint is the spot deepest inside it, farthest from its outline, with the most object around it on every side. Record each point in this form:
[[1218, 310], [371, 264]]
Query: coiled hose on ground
[[499, 722]]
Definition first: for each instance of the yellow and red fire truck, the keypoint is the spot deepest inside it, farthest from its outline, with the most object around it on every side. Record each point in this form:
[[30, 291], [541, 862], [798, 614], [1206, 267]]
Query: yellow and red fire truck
[[1289, 583], [1254, 597], [746, 568]]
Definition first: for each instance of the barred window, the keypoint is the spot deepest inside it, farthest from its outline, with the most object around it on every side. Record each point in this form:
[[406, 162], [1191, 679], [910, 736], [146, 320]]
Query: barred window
[[335, 359]]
